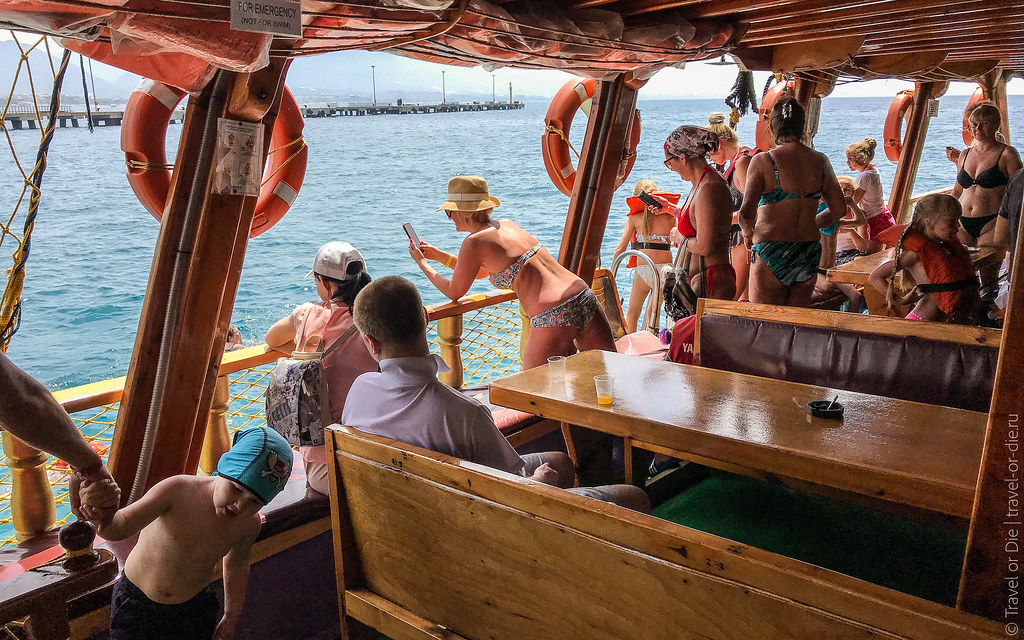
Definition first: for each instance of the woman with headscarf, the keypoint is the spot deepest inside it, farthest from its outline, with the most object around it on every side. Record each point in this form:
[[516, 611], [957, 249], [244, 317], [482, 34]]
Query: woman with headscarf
[[705, 218], [780, 225]]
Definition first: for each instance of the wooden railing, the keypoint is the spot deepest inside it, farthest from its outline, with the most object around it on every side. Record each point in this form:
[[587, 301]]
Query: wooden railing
[[466, 338]]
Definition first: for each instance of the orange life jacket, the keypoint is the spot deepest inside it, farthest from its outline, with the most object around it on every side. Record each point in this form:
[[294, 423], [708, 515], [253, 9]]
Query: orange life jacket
[[946, 264]]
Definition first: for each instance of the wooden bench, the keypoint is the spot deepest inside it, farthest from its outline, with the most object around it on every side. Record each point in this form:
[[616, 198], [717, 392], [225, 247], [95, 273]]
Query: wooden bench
[[427, 546], [929, 362]]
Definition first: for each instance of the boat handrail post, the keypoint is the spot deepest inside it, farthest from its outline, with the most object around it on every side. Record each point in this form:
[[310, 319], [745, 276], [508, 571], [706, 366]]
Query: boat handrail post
[[652, 318], [216, 442], [449, 334], [913, 146], [32, 506]]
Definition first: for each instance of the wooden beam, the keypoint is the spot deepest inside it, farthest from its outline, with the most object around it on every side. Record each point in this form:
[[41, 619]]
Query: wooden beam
[[796, 10], [992, 571], [650, 6], [901, 65], [845, 16], [600, 162], [913, 145], [134, 411]]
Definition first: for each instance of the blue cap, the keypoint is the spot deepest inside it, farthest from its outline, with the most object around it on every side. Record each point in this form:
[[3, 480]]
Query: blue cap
[[260, 460]]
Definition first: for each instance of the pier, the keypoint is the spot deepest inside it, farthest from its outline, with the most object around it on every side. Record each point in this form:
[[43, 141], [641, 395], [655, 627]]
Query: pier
[[17, 117]]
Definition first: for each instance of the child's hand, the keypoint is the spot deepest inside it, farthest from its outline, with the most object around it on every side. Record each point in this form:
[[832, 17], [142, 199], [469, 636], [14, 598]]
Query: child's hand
[[225, 628], [99, 500], [911, 297]]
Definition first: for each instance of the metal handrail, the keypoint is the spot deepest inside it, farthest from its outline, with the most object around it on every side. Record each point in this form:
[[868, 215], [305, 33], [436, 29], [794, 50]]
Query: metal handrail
[[652, 318]]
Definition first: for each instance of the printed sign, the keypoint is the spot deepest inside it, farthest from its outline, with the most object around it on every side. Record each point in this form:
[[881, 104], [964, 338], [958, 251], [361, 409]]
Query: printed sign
[[239, 158], [281, 17]]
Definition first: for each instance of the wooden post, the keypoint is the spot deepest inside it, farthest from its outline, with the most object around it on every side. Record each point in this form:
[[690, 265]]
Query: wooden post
[[217, 440], [449, 333], [32, 507], [524, 332], [991, 581], [917, 129], [596, 176], [206, 294]]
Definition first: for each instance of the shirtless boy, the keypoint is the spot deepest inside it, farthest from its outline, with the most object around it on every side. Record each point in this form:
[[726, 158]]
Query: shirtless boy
[[188, 524]]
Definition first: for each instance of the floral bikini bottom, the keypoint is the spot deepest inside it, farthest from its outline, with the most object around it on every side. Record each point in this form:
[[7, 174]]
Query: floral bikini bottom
[[574, 312]]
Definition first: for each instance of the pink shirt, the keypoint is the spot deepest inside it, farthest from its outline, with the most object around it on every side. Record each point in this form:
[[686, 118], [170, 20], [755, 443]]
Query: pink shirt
[[342, 366]]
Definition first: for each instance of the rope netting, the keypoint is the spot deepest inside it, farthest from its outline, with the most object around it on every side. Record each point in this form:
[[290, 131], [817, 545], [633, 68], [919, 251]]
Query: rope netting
[[17, 225], [490, 342]]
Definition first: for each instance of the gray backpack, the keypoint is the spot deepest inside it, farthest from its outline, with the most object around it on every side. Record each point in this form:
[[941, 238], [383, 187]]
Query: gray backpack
[[298, 402]]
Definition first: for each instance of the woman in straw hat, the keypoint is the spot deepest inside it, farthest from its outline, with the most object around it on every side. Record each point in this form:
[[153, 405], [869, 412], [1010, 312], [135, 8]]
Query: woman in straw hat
[[562, 308]]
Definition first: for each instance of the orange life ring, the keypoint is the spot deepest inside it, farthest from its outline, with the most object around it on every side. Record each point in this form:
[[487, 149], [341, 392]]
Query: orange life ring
[[144, 130], [575, 94], [892, 132], [976, 97], [762, 130]]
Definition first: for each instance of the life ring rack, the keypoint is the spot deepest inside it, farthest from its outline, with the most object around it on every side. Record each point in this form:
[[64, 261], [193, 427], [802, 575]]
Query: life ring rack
[[577, 94], [976, 97], [144, 130], [762, 129], [892, 132]]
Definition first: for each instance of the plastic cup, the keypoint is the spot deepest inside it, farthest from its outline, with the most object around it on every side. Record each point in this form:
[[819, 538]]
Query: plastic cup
[[603, 383], [557, 366]]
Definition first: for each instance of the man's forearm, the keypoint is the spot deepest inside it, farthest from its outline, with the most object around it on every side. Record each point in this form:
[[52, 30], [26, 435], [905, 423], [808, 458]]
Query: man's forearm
[[28, 410]]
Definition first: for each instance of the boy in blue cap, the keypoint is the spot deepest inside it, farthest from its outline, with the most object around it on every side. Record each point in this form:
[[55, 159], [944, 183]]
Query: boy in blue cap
[[188, 524]]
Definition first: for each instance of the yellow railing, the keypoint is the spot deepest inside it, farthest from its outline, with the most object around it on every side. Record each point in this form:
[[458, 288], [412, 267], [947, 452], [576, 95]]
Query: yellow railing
[[479, 336]]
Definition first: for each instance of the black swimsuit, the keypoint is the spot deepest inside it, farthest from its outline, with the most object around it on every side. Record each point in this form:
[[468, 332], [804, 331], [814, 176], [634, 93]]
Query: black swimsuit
[[991, 178]]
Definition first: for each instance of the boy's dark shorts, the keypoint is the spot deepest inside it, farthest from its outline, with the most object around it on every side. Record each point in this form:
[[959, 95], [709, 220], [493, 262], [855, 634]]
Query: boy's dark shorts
[[133, 616]]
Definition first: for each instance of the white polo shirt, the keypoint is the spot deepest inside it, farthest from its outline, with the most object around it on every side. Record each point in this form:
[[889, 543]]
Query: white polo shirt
[[406, 402]]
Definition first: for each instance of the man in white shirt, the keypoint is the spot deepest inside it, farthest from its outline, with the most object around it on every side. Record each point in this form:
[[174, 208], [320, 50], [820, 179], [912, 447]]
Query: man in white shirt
[[407, 402]]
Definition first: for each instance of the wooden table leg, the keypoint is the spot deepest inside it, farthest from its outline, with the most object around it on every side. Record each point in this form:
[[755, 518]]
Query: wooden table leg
[[627, 456]]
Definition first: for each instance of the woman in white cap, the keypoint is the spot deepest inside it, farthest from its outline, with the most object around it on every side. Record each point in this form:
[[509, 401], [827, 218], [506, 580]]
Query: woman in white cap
[[562, 308], [340, 273]]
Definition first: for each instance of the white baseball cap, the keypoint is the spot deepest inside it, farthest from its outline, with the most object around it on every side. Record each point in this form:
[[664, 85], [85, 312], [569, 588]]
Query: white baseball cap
[[337, 260]]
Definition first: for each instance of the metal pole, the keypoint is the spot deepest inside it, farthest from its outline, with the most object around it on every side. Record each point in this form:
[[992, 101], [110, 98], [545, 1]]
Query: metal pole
[[492, 87], [510, 93], [443, 98], [373, 79]]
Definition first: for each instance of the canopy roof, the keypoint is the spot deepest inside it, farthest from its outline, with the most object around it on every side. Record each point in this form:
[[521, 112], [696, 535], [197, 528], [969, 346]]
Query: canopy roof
[[916, 39]]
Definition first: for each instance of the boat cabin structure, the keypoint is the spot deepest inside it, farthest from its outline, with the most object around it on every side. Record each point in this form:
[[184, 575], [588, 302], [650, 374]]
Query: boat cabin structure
[[705, 585]]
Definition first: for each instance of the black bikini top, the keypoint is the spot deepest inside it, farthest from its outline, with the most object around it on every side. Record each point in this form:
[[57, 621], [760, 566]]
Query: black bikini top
[[990, 178]]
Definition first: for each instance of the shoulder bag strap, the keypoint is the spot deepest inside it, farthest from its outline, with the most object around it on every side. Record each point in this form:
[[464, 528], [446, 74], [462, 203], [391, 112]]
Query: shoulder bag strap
[[301, 346], [340, 341]]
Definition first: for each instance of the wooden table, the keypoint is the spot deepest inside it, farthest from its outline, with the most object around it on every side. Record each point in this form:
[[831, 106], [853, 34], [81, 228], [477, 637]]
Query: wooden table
[[858, 270], [916, 454], [33, 583]]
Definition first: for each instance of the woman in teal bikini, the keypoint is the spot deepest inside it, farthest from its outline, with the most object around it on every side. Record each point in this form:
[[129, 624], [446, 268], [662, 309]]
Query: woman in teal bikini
[[780, 225], [562, 308]]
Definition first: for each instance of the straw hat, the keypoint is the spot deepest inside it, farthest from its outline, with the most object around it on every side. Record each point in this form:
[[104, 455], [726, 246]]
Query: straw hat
[[469, 193]]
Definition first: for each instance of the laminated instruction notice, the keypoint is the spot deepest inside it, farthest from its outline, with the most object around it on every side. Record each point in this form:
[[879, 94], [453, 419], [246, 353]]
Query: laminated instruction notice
[[238, 158], [281, 17]]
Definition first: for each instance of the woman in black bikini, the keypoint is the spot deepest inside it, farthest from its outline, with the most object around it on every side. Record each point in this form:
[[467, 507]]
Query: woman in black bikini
[[982, 173]]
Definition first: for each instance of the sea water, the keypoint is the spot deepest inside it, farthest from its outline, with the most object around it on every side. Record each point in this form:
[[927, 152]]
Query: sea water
[[93, 242]]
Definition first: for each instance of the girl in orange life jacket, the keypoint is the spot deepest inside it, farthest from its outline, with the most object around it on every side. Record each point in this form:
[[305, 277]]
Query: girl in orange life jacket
[[946, 287]]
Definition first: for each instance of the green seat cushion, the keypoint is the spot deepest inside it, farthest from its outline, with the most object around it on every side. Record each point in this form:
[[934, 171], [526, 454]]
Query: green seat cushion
[[920, 559]]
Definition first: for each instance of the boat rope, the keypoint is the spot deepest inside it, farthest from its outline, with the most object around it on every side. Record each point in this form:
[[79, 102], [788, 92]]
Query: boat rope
[[10, 303], [561, 134], [149, 166], [85, 88], [301, 141]]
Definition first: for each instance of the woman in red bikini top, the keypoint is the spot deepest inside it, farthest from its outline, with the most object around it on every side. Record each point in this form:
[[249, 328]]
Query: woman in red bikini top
[[705, 219]]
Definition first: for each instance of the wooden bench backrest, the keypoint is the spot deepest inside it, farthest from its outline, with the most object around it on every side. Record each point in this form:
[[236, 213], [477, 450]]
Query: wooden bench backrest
[[928, 362], [608, 296], [427, 547]]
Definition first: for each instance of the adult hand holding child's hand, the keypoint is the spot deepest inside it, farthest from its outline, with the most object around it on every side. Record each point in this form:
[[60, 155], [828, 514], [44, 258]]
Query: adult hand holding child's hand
[[93, 494]]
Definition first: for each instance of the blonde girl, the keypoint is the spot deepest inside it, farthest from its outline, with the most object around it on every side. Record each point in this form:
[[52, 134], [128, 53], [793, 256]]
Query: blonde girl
[[946, 285], [651, 230], [738, 158], [860, 157]]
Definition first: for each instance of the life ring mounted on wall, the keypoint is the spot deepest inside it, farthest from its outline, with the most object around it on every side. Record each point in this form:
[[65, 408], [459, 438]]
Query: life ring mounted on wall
[[144, 130], [576, 95], [892, 132], [762, 130]]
